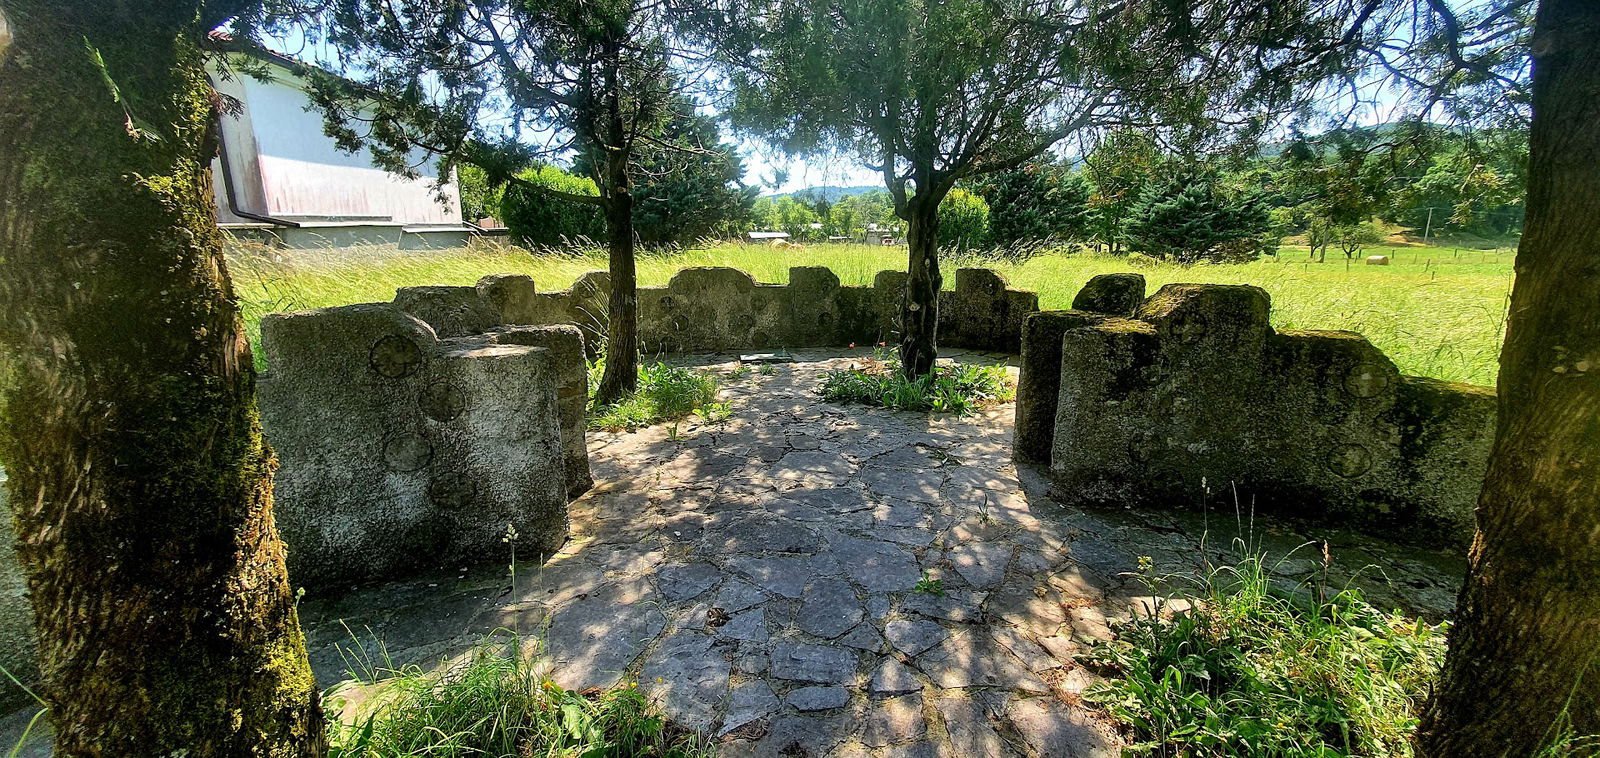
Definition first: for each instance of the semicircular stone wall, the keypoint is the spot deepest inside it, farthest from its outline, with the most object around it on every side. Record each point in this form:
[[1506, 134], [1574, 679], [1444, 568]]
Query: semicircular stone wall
[[710, 309]]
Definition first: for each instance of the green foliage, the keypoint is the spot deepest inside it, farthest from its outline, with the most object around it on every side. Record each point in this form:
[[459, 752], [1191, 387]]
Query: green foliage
[[963, 220], [1353, 238], [929, 586], [537, 218], [1120, 167], [785, 214], [1190, 219], [496, 704], [685, 182], [1039, 202], [665, 393], [850, 216], [959, 389], [479, 198], [1247, 667]]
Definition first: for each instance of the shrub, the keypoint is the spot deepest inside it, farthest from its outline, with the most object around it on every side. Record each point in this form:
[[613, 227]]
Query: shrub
[[1038, 202], [963, 220], [665, 393], [1189, 219], [957, 389], [1256, 669], [496, 704], [537, 218]]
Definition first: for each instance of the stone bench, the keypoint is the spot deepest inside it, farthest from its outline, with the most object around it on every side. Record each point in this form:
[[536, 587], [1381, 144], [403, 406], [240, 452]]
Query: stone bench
[[1194, 399], [400, 451]]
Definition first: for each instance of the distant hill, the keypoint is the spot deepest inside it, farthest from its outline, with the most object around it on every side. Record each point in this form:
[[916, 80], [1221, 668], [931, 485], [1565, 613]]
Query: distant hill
[[829, 192]]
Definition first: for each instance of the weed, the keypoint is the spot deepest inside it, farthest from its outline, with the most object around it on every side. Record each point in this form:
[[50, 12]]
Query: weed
[[495, 703], [665, 393], [958, 389], [1246, 667], [929, 586], [714, 412], [768, 369]]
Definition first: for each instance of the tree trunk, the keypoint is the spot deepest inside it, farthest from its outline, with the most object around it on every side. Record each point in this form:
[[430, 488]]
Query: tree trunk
[[1523, 652], [621, 375], [919, 312], [140, 483]]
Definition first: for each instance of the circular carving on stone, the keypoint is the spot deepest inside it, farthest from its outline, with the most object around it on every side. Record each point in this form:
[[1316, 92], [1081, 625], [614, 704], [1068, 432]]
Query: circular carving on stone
[[1190, 328], [746, 322], [452, 490], [678, 324], [442, 401], [824, 318], [407, 452], [1350, 461], [667, 303], [394, 356], [1367, 379]]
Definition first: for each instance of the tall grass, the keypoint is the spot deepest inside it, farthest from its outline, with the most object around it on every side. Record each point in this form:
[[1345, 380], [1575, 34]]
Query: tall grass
[[495, 704], [1436, 311], [1247, 667]]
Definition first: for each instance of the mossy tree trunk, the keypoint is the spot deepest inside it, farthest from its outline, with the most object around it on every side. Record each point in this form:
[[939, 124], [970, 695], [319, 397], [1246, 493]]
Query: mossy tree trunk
[[611, 141], [139, 479], [919, 311], [1524, 659]]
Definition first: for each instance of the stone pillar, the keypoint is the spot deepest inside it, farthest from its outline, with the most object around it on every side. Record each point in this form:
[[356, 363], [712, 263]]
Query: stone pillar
[[565, 343], [1040, 381], [1111, 294], [399, 452]]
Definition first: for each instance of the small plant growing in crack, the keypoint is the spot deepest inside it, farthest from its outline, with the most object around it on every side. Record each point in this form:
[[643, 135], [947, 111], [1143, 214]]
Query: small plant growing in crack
[[714, 412], [768, 369], [510, 538], [927, 585]]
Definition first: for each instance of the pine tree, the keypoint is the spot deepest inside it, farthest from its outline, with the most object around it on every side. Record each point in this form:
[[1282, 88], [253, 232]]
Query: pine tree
[[1037, 202], [1189, 219]]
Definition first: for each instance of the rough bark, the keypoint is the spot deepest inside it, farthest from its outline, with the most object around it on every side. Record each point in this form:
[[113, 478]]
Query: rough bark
[[139, 479], [1522, 666], [919, 312], [621, 374], [612, 142]]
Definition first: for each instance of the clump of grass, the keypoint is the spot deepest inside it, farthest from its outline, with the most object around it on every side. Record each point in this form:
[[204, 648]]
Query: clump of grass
[[665, 393], [1253, 668], [958, 389], [496, 703]]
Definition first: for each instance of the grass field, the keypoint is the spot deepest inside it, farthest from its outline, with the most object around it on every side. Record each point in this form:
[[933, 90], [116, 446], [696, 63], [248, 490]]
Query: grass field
[[1436, 311]]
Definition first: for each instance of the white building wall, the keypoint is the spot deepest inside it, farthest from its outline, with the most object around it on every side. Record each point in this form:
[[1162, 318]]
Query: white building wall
[[283, 166]]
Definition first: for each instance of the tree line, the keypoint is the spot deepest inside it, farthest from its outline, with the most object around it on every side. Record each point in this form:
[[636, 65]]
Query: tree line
[[1344, 189]]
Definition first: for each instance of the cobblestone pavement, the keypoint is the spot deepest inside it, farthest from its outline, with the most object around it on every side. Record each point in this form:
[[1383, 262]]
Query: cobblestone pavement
[[809, 579]]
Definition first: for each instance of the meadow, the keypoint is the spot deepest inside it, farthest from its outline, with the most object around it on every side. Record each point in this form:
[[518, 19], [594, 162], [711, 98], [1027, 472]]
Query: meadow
[[1436, 311]]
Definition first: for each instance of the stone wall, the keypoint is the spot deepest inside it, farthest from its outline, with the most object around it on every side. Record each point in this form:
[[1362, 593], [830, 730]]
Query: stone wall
[[723, 309], [1195, 397], [399, 450]]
